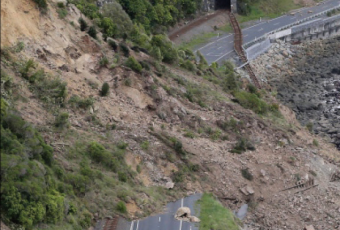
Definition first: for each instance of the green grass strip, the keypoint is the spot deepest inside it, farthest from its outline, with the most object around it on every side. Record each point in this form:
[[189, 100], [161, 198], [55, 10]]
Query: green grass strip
[[214, 216]]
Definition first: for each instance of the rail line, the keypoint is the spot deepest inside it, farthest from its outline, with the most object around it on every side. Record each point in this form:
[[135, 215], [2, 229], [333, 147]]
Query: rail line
[[111, 224], [238, 41]]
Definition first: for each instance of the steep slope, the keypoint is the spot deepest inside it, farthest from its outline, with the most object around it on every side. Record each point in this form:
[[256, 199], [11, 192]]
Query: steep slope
[[158, 125]]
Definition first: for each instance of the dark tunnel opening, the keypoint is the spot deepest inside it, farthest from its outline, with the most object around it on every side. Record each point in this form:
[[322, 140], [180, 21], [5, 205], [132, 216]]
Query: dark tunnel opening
[[222, 4]]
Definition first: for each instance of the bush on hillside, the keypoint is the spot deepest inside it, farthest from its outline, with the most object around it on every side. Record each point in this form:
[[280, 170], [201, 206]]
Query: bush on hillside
[[251, 101], [61, 120], [42, 4], [115, 12], [134, 64], [112, 43], [92, 32], [124, 49], [168, 51], [83, 24], [121, 207], [105, 89], [77, 102]]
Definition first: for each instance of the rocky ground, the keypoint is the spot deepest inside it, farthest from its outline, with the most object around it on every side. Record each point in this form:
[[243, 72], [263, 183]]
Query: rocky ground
[[307, 79]]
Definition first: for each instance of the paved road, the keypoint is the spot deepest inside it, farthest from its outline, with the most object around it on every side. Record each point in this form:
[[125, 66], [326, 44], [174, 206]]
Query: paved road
[[221, 48], [166, 220]]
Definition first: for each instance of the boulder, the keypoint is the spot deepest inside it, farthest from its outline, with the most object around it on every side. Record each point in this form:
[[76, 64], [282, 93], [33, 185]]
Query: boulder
[[169, 185], [194, 219], [309, 227], [183, 212]]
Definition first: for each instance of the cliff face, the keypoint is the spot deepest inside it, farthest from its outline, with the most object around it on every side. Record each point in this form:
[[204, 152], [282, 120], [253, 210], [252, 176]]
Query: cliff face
[[167, 124]]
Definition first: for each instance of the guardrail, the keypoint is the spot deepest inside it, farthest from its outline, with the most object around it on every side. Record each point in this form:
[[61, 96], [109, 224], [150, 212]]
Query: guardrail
[[259, 39]]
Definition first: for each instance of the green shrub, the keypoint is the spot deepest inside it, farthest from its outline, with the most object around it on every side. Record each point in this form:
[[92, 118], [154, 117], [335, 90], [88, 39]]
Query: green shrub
[[24, 71], [62, 13], [122, 176], [145, 145], [230, 83], [315, 143], [92, 32], [251, 101], [19, 47], [122, 145], [309, 127], [112, 43], [98, 153], [4, 107], [242, 145], [177, 145], [252, 89], [61, 120], [83, 24], [166, 47], [134, 64], [105, 89], [117, 14], [189, 134], [128, 82], [189, 65], [139, 168], [246, 174], [178, 177], [42, 4], [124, 49], [77, 102], [60, 5], [121, 207]]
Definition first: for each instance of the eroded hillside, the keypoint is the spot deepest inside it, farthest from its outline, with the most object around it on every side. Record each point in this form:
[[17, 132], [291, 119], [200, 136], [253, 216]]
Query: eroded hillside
[[159, 126]]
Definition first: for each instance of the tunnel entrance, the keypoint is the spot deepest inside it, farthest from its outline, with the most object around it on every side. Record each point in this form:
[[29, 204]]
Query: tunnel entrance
[[222, 4]]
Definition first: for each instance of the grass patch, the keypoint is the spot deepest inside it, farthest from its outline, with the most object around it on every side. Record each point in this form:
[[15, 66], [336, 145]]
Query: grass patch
[[268, 9], [214, 216], [204, 38]]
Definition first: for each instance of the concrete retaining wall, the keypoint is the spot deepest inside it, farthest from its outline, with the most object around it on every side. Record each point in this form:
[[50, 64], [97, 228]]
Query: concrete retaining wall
[[322, 28]]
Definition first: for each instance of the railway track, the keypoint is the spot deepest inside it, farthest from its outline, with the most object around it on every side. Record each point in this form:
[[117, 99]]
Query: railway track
[[238, 41], [111, 224]]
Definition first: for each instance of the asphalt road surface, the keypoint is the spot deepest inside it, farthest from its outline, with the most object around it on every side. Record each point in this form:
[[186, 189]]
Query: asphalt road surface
[[222, 48], [166, 220]]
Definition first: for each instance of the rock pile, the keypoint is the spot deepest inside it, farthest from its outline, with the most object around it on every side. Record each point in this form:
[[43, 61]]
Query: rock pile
[[184, 214]]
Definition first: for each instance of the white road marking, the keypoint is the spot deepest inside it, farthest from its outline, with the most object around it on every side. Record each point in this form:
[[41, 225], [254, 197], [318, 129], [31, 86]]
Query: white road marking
[[159, 219], [182, 201], [213, 42], [137, 225], [180, 225], [131, 227], [253, 26], [293, 18], [246, 35], [261, 29], [276, 23], [223, 56], [219, 47], [231, 42]]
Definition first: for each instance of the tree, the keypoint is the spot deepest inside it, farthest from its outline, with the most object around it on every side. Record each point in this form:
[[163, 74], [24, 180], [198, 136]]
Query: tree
[[109, 28]]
